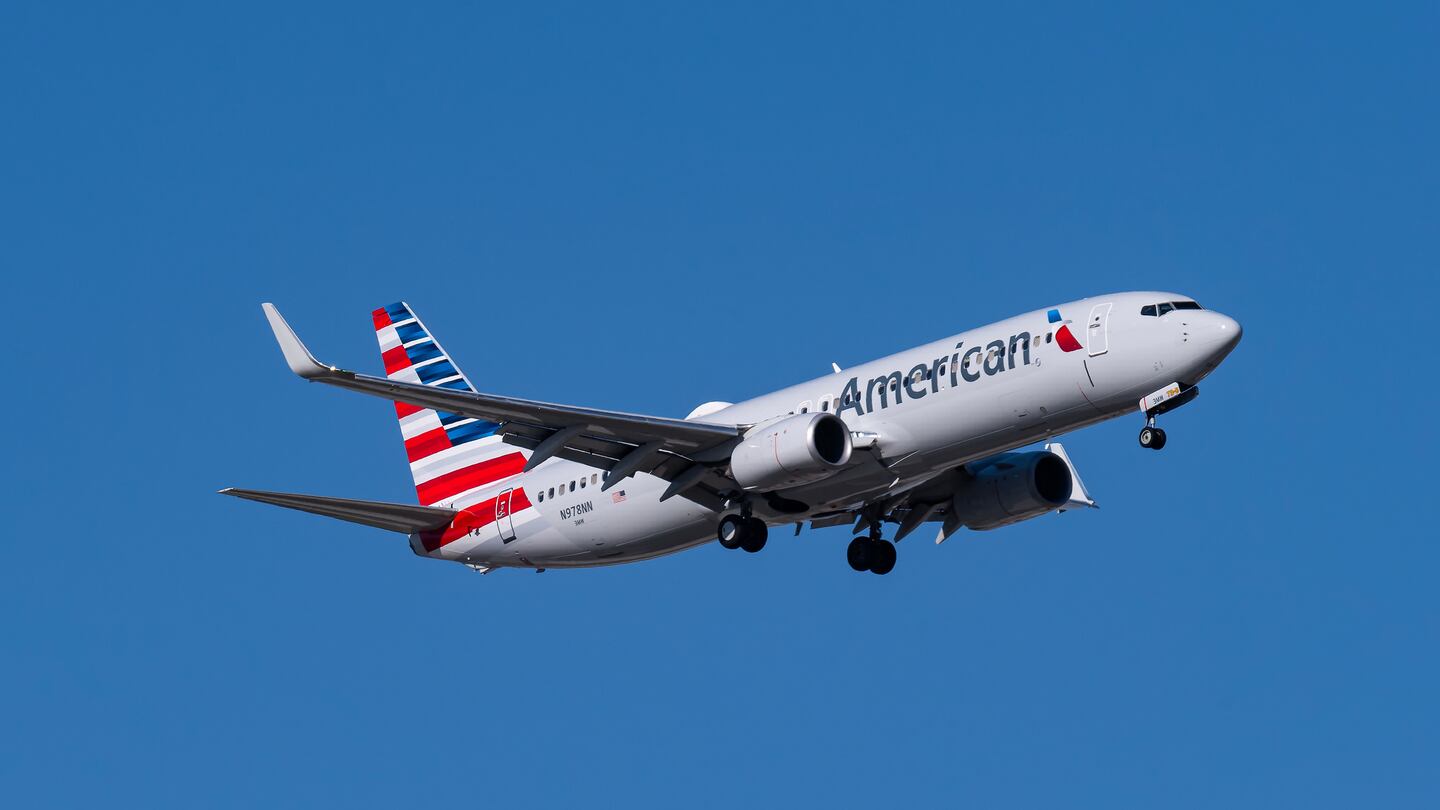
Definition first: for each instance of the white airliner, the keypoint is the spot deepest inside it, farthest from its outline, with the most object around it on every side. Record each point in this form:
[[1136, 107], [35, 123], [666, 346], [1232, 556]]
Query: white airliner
[[927, 435]]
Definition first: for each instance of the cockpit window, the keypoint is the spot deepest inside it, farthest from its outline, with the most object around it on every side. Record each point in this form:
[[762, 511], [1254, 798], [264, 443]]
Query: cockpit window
[[1168, 306]]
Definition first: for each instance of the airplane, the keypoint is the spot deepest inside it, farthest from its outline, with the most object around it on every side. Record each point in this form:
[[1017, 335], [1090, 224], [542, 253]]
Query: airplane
[[930, 435]]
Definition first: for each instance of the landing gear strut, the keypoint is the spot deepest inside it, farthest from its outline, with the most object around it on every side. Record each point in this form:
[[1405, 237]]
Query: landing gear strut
[[874, 554], [739, 531]]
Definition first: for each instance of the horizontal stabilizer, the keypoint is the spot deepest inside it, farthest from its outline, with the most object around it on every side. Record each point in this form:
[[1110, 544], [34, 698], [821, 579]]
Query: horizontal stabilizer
[[395, 517]]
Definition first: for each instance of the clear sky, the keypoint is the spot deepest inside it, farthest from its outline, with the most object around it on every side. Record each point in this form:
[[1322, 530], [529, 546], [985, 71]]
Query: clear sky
[[644, 207]]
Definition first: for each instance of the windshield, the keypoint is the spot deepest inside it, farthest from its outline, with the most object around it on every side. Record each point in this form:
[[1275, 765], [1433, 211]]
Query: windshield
[[1156, 310]]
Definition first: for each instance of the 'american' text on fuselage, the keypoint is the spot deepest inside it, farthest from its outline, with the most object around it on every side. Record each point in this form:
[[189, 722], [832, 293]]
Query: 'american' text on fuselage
[[966, 366]]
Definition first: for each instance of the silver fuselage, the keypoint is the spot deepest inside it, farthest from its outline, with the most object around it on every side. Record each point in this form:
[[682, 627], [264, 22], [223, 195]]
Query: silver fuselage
[[929, 414]]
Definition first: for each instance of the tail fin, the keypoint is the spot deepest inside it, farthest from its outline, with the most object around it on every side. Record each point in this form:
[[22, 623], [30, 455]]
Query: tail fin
[[453, 458]]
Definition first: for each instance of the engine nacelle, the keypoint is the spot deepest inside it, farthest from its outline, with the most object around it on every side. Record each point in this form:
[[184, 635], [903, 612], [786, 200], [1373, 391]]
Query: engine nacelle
[[788, 452], [1011, 488]]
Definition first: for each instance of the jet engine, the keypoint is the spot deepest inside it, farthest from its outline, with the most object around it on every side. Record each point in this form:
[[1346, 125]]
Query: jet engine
[[1012, 487], [791, 451]]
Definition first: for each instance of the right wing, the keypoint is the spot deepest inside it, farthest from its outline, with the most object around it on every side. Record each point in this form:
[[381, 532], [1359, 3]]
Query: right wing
[[684, 452]]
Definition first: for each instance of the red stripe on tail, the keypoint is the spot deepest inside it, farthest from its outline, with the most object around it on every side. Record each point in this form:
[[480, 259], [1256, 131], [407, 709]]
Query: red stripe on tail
[[395, 359], [427, 444], [485, 472]]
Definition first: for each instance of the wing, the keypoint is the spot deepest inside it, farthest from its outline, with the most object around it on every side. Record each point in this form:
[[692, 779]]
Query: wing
[[395, 517], [686, 453]]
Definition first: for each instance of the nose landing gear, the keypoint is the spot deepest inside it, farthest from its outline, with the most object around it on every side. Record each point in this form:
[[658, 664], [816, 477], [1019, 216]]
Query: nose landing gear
[[1151, 437], [1166, 399]]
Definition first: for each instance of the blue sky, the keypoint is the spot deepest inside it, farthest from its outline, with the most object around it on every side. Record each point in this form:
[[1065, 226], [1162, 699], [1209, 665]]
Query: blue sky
[[645, 207]]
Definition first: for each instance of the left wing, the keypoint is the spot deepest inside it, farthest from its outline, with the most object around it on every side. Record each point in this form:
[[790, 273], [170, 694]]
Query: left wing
[[681, 451]]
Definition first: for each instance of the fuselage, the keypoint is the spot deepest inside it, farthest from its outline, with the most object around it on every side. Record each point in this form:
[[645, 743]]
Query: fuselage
[[927, 410]]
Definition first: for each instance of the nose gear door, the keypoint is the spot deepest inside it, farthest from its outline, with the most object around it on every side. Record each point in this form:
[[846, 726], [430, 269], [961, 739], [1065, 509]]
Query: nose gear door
[[503, 522], [1097, 339]]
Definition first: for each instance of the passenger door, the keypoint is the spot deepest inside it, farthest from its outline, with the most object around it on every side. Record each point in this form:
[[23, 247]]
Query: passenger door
[[1097, 338]]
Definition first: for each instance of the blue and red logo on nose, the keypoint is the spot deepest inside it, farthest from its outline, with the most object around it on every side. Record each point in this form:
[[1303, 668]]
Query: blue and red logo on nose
[[1063, 335]]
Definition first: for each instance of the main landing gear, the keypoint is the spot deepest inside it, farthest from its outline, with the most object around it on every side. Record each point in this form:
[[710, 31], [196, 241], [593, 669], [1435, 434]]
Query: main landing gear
[[742, 531], [874, 554]]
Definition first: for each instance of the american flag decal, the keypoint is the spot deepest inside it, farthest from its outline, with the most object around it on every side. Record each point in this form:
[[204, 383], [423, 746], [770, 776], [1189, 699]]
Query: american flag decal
[[617, 496]]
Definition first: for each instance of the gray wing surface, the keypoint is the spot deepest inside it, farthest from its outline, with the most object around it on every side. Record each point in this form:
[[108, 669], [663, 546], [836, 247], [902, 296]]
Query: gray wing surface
[[395, 517], [609, 440]]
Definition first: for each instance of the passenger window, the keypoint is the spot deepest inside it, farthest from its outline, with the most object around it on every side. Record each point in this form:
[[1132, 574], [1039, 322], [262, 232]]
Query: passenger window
[[825, 405], [572, 486], [542, 496], [1048, 336], [582, 483], [1148, 309], [594, 478], [552, 492]]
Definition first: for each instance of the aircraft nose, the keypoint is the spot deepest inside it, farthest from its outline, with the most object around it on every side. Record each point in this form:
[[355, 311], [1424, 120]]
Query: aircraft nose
[[1221, 333]]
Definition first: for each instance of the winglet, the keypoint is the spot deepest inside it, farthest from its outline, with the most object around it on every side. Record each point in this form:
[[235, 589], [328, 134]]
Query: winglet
[[299, 358], [1079, 496]]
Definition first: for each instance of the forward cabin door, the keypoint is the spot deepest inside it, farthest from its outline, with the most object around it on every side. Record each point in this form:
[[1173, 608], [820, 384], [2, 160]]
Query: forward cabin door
[[503, 522], [1097, 338]]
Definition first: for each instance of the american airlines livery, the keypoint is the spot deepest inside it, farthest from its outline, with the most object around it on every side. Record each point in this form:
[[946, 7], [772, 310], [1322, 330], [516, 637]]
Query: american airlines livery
[[927, 435]]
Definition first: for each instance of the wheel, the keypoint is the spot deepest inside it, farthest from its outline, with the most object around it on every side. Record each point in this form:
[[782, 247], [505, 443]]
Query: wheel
[[882, 556], [753, 534], [731, 531], [859, 553], [1159, 441], [1147, 437]]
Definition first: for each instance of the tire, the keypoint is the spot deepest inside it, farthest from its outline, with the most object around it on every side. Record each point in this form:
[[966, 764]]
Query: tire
[[1159, 441], [882, 557], [753, 535], [730, 532], [859, 554], [1147, 437]]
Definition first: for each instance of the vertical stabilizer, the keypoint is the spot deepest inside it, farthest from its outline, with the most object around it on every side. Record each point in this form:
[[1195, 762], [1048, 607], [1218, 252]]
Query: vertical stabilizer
[[457, 461]]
